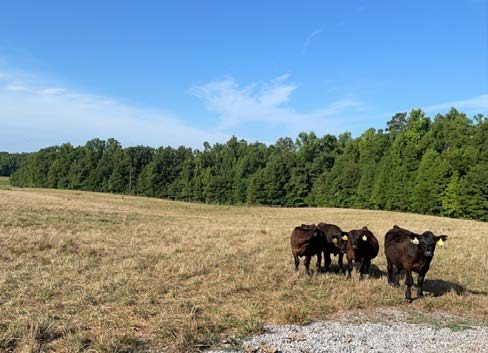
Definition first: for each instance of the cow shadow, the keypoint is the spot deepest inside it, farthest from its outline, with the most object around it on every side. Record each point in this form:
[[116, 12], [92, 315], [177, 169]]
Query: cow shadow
[[374, 271], [439, 287]]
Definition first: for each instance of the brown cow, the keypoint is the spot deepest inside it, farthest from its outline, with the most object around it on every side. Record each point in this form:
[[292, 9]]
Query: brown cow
[[307, 240], [409, 251], [362, 246], [336, 244]]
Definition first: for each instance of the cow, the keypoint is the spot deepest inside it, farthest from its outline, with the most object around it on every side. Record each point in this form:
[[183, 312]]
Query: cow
[[336, 244], [307, 240], [411, 252], [362, 246]]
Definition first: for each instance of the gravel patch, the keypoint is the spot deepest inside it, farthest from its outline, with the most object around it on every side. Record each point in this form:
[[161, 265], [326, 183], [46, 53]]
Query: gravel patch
[[351, 337]]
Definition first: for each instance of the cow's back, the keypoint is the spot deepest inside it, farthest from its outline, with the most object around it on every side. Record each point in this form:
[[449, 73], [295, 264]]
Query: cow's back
[[330, 229], [304, 242], [396, 244]]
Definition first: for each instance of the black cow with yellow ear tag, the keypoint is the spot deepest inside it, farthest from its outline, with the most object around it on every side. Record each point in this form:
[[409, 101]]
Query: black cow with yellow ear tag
[[362, 246], [411, 252]]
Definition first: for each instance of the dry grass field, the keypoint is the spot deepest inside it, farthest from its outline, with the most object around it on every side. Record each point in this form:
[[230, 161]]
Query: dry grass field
[[102, 273]]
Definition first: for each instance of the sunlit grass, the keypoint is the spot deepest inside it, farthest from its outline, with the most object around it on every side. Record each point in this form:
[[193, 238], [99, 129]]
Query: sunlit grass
[[4, 180], [86, 271]]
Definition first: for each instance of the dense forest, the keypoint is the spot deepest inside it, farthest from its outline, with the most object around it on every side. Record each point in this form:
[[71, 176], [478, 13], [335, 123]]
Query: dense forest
[[432, 166], [10, 162]]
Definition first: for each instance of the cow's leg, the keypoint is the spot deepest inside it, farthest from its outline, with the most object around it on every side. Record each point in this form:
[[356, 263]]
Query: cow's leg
[[362, 268], [368, 265], [420, 281], [327, 262], [319, 261], [341, 263], [409, 283], [297, 262], [349, 267], [307, 264], [391, 273]]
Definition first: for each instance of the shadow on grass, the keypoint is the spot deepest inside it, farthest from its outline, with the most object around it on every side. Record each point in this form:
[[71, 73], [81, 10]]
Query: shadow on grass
[[439, 287], [374, 271]]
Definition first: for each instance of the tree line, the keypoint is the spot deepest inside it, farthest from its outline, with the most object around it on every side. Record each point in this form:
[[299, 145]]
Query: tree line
[[417, 164], [10, 162]]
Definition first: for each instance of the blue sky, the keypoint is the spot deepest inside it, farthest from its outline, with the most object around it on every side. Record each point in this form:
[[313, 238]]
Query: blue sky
[[180, 73]]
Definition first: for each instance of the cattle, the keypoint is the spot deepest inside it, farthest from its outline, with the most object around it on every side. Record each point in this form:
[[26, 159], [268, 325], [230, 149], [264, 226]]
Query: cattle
[[410, 252], [362, 246], [307, 240], [336, 244]]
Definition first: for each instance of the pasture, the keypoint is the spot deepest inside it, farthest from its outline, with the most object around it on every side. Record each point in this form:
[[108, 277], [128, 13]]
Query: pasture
[[93, 272], [4, 180]]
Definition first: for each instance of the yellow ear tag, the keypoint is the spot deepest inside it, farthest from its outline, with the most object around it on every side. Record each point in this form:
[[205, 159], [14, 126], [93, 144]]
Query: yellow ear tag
[[334, 241], [345, 237], [415, 241], [364, 238], [440, 242]]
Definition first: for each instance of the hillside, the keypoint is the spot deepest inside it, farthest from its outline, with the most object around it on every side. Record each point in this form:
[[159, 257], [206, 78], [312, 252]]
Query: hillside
[[96, 271], [421, 165]]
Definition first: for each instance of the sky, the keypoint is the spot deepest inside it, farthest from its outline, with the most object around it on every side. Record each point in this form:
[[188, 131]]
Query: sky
[[183, 72]]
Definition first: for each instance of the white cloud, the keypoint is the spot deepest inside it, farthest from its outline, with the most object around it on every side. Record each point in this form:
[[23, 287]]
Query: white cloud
[[16, 87], [33, 116], [53, 90], [267, 103], [477, 104], [309, 39]]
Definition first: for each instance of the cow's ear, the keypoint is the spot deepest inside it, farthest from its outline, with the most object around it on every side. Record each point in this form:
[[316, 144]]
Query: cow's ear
[[414, 239], [345, 236], [365, 228], [335, 239], [441, 239]]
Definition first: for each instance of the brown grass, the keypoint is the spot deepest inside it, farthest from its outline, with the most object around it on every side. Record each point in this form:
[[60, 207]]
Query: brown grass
[[85, 271]]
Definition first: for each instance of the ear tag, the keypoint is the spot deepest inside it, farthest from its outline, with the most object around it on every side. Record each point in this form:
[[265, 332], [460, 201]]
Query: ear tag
[[364, 238], [345, 237], [334, 241], [440, 242], [415, 241]]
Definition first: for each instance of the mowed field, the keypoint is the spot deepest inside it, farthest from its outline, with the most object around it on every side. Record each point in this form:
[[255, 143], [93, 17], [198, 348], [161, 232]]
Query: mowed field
[[103, 273]]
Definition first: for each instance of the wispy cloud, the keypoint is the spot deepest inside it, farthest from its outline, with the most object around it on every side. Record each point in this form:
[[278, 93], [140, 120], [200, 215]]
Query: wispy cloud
[[310, 38], [266, 103], [33, 115], [477, 104]]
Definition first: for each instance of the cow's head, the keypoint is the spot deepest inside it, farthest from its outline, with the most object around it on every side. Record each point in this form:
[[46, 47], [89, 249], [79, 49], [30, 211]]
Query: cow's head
[[359, 237], [427, 242], [339, 241]]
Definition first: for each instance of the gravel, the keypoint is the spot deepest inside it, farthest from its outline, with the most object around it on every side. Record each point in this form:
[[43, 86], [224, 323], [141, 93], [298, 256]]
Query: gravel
[[350, 337]]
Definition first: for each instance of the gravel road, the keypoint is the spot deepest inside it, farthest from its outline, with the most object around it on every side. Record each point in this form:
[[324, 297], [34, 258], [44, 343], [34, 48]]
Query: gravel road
[[351, 337]]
